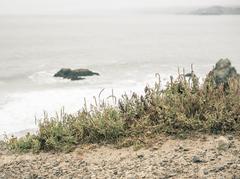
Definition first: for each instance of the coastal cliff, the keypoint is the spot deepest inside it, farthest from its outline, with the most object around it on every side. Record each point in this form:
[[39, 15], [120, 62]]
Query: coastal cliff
[[217, 10]]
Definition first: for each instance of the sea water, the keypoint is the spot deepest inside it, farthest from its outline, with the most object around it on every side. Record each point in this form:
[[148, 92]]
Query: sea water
[[127, 51]]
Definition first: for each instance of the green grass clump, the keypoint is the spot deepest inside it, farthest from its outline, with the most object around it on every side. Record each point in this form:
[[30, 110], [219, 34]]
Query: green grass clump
[[184, 106]]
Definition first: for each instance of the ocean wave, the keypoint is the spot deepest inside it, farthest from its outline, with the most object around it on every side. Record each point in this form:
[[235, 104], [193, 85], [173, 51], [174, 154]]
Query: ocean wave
[[21, 109], [46, 77]]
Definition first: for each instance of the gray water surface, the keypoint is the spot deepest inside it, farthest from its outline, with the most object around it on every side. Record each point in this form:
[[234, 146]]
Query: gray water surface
[[126, 50]]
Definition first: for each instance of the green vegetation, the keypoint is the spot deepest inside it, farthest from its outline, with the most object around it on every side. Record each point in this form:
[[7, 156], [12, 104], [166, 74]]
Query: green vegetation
[[183, 107]]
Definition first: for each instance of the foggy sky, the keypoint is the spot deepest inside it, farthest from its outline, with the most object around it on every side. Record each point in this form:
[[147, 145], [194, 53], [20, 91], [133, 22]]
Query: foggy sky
[[75, 6]]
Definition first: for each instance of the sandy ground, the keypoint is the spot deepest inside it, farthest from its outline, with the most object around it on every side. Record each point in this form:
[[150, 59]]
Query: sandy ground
[[198, 157]]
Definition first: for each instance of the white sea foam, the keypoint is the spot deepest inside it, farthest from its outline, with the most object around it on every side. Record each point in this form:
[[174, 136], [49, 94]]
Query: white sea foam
[[44, 77], [21, 109]]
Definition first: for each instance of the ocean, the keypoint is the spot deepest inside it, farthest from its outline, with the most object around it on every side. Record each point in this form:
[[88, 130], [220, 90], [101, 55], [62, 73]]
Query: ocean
[[127, 51]]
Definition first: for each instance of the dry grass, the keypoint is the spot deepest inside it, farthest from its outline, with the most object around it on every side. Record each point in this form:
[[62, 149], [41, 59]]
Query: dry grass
[[185, 106]]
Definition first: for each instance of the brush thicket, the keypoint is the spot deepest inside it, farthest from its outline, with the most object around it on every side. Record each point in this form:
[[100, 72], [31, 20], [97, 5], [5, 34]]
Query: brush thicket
[[183, 107]]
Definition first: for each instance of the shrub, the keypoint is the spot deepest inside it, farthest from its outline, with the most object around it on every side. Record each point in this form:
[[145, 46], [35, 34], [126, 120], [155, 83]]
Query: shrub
[[183, 106]]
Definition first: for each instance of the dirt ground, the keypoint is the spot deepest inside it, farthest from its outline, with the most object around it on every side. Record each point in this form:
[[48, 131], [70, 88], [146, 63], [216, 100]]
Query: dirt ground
[[197, 157]]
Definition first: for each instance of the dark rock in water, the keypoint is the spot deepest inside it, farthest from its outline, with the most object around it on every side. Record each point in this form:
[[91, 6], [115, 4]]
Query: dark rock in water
[[222, 72], [77, 74]]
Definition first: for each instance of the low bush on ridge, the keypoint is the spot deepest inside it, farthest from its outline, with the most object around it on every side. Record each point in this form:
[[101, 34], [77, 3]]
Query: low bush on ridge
[[183, 106]]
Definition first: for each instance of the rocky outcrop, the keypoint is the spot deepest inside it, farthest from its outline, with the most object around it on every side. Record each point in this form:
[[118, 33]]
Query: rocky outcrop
[[77, 74], [222, 73]]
